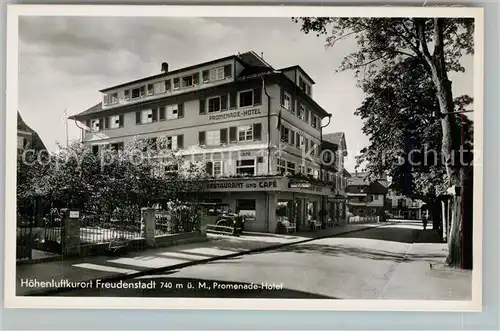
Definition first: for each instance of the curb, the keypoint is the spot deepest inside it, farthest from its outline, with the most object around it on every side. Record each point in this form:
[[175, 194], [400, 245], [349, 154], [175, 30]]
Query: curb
[[119, 277]]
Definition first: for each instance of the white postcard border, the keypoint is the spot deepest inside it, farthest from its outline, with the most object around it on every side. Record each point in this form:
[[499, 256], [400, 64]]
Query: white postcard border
[[13, 301]]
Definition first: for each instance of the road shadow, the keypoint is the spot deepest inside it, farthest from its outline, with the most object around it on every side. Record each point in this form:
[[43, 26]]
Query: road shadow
[[405, 235], [173, 287], [362, 253]]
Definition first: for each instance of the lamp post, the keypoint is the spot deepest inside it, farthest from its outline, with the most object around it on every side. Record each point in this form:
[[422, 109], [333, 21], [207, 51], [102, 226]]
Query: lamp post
[[323, 202]]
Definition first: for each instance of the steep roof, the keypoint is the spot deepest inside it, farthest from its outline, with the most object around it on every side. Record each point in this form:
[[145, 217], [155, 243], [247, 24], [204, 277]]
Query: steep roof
[[94, 109], [36, 141]]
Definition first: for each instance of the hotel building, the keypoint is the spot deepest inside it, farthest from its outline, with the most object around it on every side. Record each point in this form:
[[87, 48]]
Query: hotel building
[[258, 129]]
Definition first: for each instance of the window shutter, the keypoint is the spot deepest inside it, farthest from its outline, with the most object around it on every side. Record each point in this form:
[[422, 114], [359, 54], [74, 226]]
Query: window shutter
[[206, 75], [120, 120], [297, 140], [282, 97], [257, 96], [223, 102], [87, 123], [306, 114], [137, 117], [202, 106], [101, 123], [106, 122], [155, 115], [209, 167], [292, 106], [180, 141], [232, 100], [292, 137], [180, 110], [168, 85], [232, 134], [162, 113], [201, 137], [228, 70], [196, 78], [257, 131], [223, 136]]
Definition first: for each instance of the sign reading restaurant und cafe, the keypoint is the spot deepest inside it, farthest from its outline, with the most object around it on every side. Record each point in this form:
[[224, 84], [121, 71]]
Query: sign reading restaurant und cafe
[[234, 114], [270, 184]]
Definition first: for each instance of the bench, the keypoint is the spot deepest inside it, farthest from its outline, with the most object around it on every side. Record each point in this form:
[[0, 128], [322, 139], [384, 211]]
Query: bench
[[315, 225], [289, 227], [223, 229], [117, 246]]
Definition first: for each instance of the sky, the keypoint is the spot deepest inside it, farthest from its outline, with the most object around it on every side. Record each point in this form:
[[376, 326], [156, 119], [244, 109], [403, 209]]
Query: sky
[[65, 61]]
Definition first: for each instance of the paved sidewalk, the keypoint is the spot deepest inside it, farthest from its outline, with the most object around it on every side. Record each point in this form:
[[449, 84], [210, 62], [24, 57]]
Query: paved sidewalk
[[141, 263], [423, 275]]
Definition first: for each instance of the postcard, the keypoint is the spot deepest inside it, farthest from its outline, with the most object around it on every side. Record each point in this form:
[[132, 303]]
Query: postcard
[[246, 157]]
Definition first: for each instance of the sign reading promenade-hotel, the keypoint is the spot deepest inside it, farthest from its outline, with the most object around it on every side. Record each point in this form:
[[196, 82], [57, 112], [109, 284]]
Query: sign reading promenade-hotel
[[234, 114]]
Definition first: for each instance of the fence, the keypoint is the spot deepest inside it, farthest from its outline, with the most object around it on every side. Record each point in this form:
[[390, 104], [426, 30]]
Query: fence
[[102, 227], [177, 220]]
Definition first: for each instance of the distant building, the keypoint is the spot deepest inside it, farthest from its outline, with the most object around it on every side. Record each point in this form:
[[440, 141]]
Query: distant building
[[27, 138], [366, 200], [402, 207]]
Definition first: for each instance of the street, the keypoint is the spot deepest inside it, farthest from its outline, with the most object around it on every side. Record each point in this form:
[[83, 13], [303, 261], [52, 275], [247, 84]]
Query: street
[[388, 262]]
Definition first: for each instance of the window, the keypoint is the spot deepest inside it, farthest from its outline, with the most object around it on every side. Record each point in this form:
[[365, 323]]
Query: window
[[158, 88], [113, 98], [290, 167], [246, 98], [187, 81], [151, 89], [172, 112], [245, 167], [117, 146], [216, 74], [245, 133], [114, 122], [297, 140], [94, 125], [301, 112], [213, 138], [214, 168], [302, 142], [142, 91], [20, 142], [126, 94], [214, 104], [314, 121], [287, 101], [285, 134], [168, 85], [136, 93], [95, 149], [281, 166], [177, 83], [171, 143], [313, 148], [147, 116]]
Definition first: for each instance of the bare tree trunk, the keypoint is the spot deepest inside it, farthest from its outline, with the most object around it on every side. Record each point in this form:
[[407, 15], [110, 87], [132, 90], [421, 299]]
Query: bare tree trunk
[[451, 136]]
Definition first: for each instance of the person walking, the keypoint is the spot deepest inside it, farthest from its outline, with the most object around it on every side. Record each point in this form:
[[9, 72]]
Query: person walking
[[424, 221]]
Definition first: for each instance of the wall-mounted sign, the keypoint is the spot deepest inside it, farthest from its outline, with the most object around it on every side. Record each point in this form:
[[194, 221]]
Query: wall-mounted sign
[[245, 185], [74, 214], [308, 187], [234, 114]]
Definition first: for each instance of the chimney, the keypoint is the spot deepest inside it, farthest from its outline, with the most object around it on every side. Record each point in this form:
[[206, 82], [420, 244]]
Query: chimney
[[262, 55], [164, 67]]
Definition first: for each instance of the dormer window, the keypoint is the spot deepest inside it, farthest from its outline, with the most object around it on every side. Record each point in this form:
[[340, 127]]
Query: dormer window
[[150, 89], [187, 81], [136, 93], [216, 74], [94, 125], [177, 83]]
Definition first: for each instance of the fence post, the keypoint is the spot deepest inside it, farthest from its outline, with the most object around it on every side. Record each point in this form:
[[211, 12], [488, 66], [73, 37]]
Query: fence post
[[148, 225], [70, 233]]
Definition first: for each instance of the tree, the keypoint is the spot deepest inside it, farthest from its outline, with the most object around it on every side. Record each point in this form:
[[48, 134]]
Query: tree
[[387, 42]]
